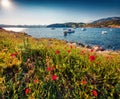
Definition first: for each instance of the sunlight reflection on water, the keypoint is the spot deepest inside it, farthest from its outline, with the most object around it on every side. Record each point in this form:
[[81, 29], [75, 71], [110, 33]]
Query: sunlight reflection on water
[[16, 29]]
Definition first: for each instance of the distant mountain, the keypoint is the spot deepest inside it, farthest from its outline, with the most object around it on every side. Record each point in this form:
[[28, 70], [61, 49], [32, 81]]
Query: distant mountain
[[70, 24], [57, 25], [105, 22], [113, 22], [107, 19]]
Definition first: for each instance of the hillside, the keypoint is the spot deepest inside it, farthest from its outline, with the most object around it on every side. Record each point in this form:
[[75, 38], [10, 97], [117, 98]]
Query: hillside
[[106, 19], [33, 68], [105, 22], [64, 25]]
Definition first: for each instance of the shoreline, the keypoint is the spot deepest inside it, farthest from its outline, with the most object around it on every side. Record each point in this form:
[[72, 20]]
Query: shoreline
[[96, 48]]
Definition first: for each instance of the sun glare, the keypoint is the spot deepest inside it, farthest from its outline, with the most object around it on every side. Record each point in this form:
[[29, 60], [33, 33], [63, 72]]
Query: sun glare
[[6, 3]]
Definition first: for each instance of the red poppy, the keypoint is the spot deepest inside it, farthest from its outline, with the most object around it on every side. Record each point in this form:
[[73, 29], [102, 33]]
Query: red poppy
[[57, 52], [54, 77], [13, 55], [84, 82], [36, 81], [48, 69], [95, 93], [92, 58], [91, 50], [69, 51], [27, 91]]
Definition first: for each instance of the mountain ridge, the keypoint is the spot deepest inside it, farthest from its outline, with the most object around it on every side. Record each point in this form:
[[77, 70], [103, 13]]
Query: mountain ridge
[[106, 19], [103, 22]]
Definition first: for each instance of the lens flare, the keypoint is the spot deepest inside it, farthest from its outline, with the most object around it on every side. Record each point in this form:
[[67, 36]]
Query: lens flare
[[6, 3]]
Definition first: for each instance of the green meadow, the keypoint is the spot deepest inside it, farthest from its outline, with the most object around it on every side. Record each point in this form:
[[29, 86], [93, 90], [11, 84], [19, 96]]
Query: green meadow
[[32, 68]]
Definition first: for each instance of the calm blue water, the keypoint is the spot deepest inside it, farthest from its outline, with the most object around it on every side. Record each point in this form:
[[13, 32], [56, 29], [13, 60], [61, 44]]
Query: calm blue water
[[92, 36]]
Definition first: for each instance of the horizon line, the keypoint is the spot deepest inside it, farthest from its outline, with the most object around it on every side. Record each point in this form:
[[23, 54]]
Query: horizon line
[[62, 22]]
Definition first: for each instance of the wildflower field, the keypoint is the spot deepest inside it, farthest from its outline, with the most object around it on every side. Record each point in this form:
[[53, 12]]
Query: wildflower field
[[33, 68]]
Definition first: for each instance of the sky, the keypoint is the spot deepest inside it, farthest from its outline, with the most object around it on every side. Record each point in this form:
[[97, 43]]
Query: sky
[[44, 12]]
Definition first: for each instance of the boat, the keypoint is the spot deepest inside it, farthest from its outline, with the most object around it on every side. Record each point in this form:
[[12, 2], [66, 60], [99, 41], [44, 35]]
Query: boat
[[104, 32], [68, 31], [83, 29]]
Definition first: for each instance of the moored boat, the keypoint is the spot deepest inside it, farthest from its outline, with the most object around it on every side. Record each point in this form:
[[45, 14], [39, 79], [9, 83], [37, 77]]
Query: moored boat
[[104, 32], [83, 29], [68, 31]]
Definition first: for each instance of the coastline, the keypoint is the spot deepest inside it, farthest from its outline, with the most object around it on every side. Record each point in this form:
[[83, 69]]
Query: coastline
[[96, 48], [26, 59]]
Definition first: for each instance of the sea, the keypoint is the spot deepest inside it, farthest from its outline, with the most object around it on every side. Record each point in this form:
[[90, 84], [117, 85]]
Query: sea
[[108, 38]]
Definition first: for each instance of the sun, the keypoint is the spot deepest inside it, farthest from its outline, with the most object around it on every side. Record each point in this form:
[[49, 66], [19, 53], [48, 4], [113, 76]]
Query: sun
[[5, 3]]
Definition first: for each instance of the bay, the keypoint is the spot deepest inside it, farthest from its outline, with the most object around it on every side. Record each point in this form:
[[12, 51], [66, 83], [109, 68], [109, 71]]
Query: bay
[[91, 36]]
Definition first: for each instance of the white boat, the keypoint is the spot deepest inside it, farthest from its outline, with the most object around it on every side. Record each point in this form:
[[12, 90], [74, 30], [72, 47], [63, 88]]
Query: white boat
[[104, 32], [83, 29]]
